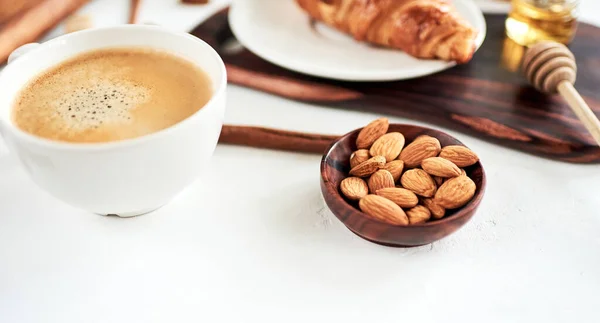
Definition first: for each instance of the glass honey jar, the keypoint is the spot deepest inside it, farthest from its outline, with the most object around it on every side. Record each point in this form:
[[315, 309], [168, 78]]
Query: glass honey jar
[[530, 21]]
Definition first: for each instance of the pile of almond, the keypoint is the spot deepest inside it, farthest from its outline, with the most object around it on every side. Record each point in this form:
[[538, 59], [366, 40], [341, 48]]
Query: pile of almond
[[410, 184]]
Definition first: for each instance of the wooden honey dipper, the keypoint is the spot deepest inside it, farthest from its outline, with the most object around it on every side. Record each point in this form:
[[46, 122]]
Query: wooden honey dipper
[[551, 68]]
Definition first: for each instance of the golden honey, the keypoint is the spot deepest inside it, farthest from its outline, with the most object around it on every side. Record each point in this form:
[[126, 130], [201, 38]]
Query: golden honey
[[512, 54], [530, 21]]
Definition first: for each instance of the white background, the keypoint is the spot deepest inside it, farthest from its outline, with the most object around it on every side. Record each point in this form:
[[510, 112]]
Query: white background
[[252, 241]]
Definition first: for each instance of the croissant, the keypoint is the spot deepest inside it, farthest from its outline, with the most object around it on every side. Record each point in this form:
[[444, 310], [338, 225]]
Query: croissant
[[429, 29]]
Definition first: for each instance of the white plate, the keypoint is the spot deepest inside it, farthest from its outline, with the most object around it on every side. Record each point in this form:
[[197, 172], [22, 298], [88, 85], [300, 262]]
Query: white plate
[[280, 32], [493, 6]]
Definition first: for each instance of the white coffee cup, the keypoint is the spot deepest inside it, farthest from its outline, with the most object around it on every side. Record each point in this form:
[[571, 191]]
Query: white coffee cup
[[128, 177]]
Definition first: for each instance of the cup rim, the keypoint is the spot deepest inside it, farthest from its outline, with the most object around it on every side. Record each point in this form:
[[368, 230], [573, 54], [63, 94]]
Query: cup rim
[[219, 91]]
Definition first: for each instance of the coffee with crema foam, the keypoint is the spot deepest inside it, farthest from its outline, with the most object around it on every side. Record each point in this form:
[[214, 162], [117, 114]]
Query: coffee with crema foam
[[111, 94]]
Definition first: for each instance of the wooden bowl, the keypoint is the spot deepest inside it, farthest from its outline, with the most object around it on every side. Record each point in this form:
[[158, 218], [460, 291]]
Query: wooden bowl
[[335, 165]]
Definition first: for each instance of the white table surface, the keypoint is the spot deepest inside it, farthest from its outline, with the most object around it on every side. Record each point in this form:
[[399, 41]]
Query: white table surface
[[252, 240]]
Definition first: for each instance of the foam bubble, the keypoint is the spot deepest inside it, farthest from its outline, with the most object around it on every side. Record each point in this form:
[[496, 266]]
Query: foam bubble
[[100, 102]]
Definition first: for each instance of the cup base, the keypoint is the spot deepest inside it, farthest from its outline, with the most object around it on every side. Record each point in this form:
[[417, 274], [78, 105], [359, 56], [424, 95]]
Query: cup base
[[132, 214]]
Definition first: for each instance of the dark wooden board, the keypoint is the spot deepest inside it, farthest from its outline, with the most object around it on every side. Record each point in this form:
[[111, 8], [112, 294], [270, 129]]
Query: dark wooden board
[[485, 97]]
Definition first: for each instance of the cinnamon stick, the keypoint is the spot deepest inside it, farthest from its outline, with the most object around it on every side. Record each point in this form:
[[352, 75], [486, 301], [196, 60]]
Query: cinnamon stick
[[289, 87], [10, 8], [31, 24], [259, 137], [134, 10]]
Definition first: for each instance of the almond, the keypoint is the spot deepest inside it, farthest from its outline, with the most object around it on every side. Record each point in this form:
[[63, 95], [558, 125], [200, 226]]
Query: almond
[[441, 167], [358, 157], [461, 156], [388, 146], [418, 214], [370, 133], [380, 179], [437, 211], [423, 137], [395, 167], [416, 151], [401, 196], [463, 172], [438, 180], [383, 210], [354, 188], [368, 167], [455, 192], [418, 181]]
